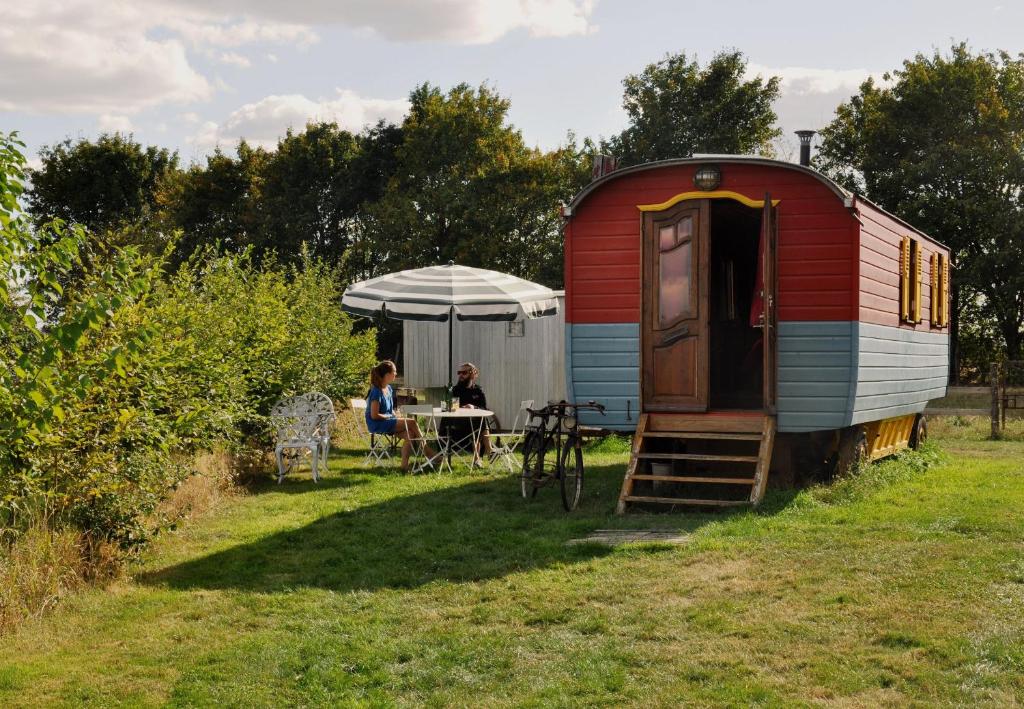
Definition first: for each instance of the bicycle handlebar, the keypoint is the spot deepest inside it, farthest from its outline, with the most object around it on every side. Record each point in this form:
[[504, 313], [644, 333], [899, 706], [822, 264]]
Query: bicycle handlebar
[[559, 408]]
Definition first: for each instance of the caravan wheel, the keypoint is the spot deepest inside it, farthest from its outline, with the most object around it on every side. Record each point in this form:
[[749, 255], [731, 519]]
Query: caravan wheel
[[853, 450], [919, 434]]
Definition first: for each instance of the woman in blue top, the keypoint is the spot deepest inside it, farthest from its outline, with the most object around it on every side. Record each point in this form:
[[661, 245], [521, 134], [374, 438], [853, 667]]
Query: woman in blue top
[[380, 411]]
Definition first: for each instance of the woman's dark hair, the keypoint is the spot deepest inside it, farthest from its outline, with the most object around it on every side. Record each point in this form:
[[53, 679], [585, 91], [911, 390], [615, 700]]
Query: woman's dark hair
[[378, 372]]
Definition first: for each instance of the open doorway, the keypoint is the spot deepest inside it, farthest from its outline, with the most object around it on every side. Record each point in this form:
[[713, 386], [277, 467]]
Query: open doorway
[[736, 360]]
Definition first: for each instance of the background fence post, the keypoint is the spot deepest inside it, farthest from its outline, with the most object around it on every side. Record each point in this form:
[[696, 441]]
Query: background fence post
[[994, 377]]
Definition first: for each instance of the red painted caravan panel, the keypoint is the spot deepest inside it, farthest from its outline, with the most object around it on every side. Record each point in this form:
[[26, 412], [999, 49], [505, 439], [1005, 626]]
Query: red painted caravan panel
[[817, 242], [879, 280]]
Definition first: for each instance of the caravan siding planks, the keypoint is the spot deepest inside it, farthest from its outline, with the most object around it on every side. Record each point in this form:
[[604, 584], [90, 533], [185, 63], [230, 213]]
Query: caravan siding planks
[[816, 375], [879, 277], [603, 362], [898, 371], [603, 243]]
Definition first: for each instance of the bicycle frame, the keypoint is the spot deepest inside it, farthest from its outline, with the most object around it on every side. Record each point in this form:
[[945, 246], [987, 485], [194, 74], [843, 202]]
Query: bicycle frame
[[543, 439]]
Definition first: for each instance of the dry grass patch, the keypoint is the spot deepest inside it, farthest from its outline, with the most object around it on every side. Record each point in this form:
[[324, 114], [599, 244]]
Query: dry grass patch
[[43, 566]]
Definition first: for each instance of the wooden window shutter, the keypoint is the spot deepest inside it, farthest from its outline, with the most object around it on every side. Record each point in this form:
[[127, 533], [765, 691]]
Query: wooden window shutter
[[905, 278], [934, 291], [944, 297], [915, 259]]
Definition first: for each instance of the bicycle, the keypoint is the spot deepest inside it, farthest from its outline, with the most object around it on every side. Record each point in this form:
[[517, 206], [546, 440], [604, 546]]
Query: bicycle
[[556, 433]]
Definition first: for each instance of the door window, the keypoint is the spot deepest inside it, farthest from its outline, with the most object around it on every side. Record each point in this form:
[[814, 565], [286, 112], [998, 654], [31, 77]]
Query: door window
[[675, 260]]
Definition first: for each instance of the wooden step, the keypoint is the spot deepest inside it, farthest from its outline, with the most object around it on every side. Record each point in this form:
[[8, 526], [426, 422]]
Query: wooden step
[[684, 501], [710, 422], [704, 435], [723, 426], [699, 456], [688, 479]]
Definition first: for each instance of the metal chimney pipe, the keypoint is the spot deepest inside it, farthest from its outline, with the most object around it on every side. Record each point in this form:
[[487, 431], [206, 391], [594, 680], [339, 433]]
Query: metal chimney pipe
[[805, 146]]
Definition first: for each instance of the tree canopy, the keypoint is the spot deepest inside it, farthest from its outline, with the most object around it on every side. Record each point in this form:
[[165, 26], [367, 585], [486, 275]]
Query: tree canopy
[[677, 108], [215, 204], [99, 185], [454, 181], [465, 187], [940, 143]]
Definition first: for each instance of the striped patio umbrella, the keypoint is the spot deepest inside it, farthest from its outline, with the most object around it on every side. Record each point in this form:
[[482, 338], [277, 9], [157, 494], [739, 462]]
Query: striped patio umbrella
[[443, 293]]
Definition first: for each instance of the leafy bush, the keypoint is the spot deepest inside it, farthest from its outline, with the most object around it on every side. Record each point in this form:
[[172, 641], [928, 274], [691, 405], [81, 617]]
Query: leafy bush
[[258, 333], [107, 386]]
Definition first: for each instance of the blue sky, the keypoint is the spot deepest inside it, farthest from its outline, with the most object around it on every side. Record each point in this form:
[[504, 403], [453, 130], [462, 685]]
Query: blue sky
[[192, 74]]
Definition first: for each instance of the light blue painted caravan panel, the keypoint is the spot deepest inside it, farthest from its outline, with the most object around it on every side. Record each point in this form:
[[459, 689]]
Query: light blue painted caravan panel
[[603, 363], [831, 374], [816, 364], [899, 370]]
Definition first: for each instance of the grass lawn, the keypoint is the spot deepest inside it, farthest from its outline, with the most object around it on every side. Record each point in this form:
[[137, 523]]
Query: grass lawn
[[902, 585]]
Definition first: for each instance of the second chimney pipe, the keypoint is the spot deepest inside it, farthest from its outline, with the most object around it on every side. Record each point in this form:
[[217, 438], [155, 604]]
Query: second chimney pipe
[[805, 146]]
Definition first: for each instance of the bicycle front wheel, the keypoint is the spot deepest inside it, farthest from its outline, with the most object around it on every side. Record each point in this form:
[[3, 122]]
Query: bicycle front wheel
[[533, 465], [570, 471]]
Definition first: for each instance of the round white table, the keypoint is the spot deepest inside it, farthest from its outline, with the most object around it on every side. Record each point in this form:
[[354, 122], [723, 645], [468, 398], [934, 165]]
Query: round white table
[[476, 419]]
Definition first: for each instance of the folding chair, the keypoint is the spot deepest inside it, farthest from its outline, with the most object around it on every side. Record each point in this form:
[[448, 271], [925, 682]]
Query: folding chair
[[505, 443], [380, 445], [422, 413]]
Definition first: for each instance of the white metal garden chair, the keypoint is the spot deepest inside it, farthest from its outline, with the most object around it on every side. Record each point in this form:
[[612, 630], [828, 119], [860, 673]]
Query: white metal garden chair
[[303, 424], [511, 439], [379, 445]]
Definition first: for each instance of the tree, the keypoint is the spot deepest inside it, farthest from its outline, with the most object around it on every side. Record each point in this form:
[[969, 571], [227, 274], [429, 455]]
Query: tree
[[676, 109], [215, 204], [941, 144], [101, 185], [309, 193], [38, 388], [466, 188]]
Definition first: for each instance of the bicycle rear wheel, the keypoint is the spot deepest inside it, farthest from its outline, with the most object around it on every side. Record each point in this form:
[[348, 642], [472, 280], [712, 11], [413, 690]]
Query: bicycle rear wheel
[[531, 477], [570, 473]]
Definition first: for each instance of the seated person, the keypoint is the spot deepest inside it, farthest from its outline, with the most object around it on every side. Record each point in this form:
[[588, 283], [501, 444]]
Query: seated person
[[380, 411], [470, 396]]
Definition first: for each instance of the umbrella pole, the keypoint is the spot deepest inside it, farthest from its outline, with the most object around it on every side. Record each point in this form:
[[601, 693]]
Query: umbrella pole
[[451, 317]]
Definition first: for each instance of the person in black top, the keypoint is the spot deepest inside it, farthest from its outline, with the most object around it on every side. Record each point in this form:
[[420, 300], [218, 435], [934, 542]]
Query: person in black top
[[470, 396]]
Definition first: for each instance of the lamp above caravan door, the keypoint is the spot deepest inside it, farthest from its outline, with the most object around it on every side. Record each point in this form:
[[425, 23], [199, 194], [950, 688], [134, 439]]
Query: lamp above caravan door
[[674, 328]]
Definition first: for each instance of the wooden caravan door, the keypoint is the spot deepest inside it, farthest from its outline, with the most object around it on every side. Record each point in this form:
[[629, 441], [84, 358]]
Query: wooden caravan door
[[674, 320], [769, 274]]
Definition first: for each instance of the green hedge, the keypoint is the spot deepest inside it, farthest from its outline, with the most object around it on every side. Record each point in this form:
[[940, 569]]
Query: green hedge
[[113, 371]]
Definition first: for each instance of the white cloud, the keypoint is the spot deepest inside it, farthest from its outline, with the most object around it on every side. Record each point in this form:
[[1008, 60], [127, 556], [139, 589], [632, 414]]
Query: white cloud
[[223, 31], [85, 56], [118, 57], [111, 123], [234, 59], [559, 19], [803, 81], [264, 121], [462, 21], [808, 97]]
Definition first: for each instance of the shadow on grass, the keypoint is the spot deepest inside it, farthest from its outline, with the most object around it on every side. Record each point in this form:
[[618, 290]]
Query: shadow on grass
[[481, 529], [299, 480]]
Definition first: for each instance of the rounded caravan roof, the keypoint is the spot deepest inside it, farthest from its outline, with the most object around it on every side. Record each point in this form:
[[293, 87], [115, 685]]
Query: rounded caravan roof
[[849, 199], [699, 159]]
